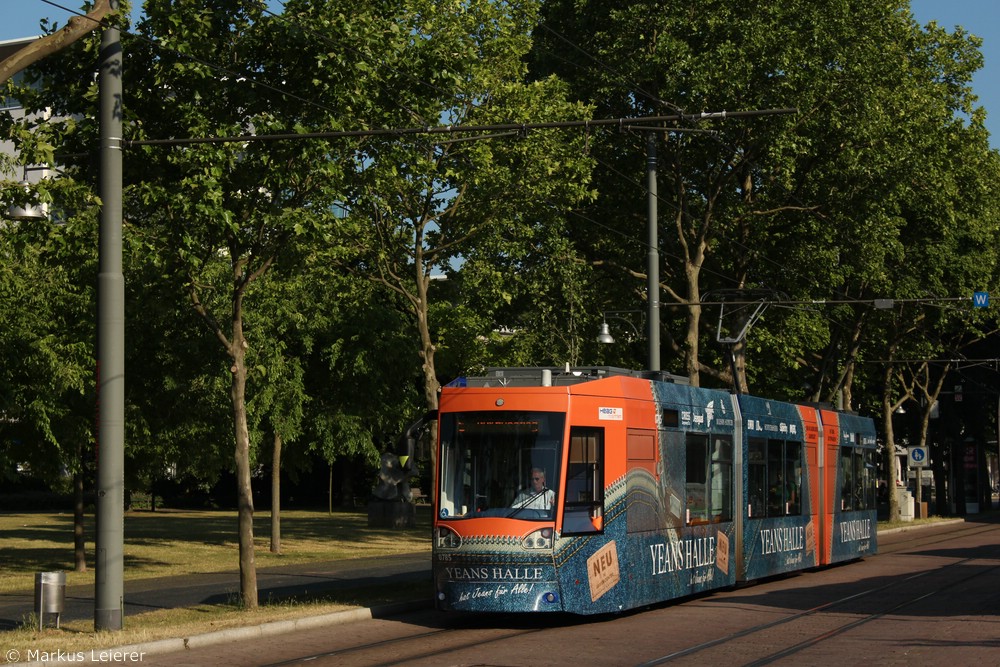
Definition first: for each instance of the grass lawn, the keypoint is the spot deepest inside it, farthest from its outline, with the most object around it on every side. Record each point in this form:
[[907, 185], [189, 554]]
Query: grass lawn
[[168, 543]]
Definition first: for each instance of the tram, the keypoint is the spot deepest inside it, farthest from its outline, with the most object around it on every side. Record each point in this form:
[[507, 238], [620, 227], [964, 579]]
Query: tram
[[598, 489]]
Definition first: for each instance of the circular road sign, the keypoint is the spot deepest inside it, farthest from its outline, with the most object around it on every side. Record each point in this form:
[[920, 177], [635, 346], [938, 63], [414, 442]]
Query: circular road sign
[[917, 456]]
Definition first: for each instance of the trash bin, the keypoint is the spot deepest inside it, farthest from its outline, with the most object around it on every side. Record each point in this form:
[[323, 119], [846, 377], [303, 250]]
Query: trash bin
[[50, 596], [905, 499]]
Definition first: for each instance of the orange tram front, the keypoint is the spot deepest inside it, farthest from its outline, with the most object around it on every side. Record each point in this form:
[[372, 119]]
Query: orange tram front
[[598, 489]]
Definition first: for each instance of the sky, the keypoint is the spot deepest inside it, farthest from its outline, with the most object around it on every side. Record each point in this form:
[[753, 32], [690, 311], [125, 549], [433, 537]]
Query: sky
[[980, 17]]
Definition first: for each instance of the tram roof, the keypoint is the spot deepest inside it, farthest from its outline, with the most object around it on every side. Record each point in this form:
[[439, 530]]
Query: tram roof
[[541, 376]]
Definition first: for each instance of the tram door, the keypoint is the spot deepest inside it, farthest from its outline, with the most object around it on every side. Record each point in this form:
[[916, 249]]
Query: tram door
[[584, 508], [849, 483]]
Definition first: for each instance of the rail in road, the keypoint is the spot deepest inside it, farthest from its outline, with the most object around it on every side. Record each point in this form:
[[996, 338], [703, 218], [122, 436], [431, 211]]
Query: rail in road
[[931, 597]]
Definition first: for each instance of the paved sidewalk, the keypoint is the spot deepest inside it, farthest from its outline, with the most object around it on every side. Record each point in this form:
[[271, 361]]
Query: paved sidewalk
[[190, 590]]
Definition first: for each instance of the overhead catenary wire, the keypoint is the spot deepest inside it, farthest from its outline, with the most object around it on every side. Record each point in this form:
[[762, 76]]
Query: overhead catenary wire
[[641, 123], [515, 129]]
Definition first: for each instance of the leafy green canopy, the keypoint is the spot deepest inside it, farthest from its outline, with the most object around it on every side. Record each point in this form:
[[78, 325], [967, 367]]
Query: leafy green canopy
[[848, 199]]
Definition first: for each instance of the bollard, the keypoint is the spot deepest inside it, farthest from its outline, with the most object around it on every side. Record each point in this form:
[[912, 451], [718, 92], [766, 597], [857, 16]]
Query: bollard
[[50, 595]]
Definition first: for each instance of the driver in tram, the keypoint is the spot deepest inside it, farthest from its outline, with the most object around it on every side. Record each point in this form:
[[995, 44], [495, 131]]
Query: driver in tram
[[537, 496]]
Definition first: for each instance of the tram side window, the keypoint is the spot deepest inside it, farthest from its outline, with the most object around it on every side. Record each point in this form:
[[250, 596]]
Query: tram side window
[[846, 479], [793, 477], [859, 479], [722, 479], [870, 480], [850, 493], [584, 508], [857, 468], [784, 473], [757, 477], [708, 483]]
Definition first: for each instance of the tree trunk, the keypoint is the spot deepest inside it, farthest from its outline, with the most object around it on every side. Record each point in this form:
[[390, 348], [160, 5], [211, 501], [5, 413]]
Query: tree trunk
[[79, 544], [691, 346], [276, 495], [427, 350], [845, 383], [890, 443], [432, 387], [75, 28], [739, 364], [244, 492]]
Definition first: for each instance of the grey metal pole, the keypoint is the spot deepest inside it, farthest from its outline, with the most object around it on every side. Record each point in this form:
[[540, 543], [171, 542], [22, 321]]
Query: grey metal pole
[[652, 258], [108, 567]]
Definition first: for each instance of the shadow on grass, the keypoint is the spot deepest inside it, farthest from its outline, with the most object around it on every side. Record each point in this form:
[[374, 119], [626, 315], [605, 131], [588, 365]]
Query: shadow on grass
[[219, 528], [35, 542]]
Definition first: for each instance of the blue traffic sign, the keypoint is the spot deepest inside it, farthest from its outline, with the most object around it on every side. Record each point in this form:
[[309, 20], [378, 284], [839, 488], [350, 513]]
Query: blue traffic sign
[[917, 456]]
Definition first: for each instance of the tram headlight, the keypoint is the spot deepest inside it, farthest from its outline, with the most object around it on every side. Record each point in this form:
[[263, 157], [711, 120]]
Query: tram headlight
[[446, 538], [539, 539]]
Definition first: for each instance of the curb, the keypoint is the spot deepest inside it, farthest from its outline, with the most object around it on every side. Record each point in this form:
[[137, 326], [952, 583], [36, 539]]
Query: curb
[[176, 644], [273, 628], [920, 526]]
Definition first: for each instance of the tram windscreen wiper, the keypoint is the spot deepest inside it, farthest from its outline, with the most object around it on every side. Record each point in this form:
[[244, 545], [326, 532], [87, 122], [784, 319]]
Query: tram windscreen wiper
[[524, 504]]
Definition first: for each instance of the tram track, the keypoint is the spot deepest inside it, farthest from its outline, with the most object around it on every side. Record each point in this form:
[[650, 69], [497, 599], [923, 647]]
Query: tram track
[[925, 539], [355, 649], [885, 590], [803, 645], [410, 648]]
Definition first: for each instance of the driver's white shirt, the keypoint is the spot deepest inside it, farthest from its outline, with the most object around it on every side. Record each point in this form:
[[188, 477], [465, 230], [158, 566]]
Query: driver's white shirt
[[535, 500]]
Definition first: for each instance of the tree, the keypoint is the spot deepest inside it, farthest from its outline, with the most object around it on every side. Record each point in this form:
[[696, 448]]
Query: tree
[[362, 373], [47, 280], [220, 214], [811, 206], [249, 202], [421, 207], [178, 412]]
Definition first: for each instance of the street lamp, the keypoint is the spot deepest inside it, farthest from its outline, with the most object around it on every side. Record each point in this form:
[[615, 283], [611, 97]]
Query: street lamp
[[28, 212], [604, 335]]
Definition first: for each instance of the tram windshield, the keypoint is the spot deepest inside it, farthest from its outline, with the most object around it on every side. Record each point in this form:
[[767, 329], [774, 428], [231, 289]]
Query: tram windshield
[[500, 464]]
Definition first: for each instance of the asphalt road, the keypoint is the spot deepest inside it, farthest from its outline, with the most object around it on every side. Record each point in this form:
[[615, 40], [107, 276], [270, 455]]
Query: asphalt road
[[194, 589]]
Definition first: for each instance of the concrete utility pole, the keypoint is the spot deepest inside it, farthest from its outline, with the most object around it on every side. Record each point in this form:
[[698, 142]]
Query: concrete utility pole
[[652, 258], [108, 567]]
